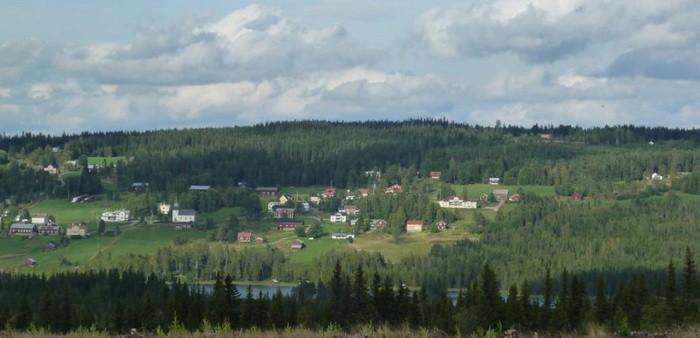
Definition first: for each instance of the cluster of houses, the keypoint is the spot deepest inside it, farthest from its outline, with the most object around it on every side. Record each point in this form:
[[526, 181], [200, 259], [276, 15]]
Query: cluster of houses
[[248, 237], [39, 224], [116, 216]]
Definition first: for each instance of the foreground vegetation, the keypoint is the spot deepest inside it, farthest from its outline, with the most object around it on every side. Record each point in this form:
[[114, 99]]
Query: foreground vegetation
[[118, 302]]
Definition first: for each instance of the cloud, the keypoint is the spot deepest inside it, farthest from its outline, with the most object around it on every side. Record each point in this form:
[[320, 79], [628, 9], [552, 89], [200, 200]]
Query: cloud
[[549, 30], [659, 64], [248, 44]]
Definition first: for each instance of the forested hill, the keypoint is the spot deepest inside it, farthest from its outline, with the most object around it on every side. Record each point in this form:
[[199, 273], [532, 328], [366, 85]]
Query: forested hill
[[319, 152]]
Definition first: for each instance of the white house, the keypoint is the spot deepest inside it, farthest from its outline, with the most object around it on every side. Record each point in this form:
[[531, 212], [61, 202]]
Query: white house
[[656, 177], [115, 216], [51, 169], [315, 200], [339, 218], [164, 208], [184, 216], [40, 219], [341, 235], [456, 202], [494, 180]]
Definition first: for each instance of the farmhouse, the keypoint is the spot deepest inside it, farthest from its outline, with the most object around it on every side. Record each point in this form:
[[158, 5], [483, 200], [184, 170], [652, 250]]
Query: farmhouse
[[280, 213], [501, 194], [23, 229], [51, 169], [245, 236], [329, 193], [49, 229], [414, 225], [374, 173], [435, 175], [656, 177], [267, 191], [456, 202], [315, 200], [494, 180], [40, 219], [200, 187], [184, 216], [297, 245], [289, 225], [164, 208], [394, 189], [339, 218], [340, 235], [515, 198], [350, 210], [76, 230], [377, 224], [115, 216], [364, 192]]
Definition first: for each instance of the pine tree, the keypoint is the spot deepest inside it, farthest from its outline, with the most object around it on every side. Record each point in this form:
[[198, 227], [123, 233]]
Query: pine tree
[[360, 300], [489, 303], [547, 300], [337, 295], [690, 284], [513, 315], [602, 312]]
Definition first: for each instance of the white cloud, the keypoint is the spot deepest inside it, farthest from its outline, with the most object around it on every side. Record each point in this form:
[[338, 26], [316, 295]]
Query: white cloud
[[549, 30], [251, 43], [5, 93]]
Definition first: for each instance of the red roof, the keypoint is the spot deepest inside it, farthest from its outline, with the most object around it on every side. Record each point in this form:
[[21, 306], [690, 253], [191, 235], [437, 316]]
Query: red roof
[[414, 222], [435, 174]]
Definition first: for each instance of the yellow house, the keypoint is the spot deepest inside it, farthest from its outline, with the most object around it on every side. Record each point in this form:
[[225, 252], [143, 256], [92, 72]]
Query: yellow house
[[285, 198]]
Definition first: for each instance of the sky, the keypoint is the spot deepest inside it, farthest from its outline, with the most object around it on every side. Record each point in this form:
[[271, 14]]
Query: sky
[[71, 66]]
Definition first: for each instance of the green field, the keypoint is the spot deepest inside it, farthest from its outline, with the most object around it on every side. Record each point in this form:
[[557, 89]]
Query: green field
[[476, 190], [66, 212], [134, 240], [109, 161]]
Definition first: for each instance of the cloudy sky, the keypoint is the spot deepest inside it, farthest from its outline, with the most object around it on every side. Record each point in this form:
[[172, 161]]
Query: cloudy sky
[[68, 66]]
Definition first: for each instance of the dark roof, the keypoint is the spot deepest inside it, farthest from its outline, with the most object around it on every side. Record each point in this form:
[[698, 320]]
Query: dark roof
[[23, 226], [186, 212], [266, 189]]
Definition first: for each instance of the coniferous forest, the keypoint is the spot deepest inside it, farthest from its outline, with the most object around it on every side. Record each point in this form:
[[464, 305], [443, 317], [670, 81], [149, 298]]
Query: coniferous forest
[[594, 240]]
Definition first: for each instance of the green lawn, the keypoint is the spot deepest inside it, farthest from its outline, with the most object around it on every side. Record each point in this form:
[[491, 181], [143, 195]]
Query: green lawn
[[133, 240], [105, 160], [476, 190], [66, 212]]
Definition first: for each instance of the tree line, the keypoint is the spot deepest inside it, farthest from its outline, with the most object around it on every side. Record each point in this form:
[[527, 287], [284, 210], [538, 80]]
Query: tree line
[[118, 301]]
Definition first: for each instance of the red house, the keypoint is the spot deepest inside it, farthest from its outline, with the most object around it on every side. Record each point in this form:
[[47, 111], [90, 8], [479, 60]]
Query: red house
[[435, 175], [514, 198], [328, 193], [289, 225]]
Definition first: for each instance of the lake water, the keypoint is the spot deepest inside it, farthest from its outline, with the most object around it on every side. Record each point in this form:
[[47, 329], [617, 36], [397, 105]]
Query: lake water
[[270, 290]]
